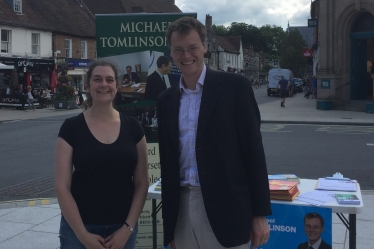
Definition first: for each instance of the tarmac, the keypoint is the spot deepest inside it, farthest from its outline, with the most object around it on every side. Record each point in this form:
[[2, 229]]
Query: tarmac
[[34, 224]]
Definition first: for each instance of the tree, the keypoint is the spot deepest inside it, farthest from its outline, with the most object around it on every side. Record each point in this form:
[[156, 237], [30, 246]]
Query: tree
[[220, 30], [291, 52]]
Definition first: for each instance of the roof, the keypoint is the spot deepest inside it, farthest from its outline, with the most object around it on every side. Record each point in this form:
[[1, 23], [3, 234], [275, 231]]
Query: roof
[[61, 16], [229, 44], [130, 6]]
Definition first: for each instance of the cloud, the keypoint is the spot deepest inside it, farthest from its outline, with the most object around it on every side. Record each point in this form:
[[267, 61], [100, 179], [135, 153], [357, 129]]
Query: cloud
[[254, 12]]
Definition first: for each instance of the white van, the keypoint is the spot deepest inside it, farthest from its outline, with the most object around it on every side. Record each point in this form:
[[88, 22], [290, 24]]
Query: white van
[[274, 77]]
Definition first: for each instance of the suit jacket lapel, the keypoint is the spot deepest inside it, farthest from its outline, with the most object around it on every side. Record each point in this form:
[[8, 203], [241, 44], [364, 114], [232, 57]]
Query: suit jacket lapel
[[173, 104], [211, 92]]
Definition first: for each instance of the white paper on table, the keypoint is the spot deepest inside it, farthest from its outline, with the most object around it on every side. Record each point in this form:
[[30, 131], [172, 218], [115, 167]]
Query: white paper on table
[[135, 85], [338, 185], [317, 197]]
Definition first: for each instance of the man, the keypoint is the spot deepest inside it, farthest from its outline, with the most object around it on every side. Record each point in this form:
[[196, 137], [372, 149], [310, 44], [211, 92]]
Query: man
[[313, 225], [130, 77], [215, 190], [156, 80], [283, 85], [314, 84]]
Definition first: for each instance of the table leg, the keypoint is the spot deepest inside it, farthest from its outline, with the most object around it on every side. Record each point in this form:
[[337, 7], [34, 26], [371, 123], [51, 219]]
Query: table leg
[[352, 231], [154, 223]]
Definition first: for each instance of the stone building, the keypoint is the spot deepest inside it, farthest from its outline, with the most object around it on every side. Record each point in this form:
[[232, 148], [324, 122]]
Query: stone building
[[344, 51]]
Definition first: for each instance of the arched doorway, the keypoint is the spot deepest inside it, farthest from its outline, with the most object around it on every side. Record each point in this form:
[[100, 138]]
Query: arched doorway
[[362, 55]]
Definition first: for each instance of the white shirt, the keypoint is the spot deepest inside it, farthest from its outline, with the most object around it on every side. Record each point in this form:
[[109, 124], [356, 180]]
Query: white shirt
[[188, 118]]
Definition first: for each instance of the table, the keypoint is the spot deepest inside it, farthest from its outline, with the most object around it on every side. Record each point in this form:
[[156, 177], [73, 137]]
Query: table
[[131, 92], [305, 185]]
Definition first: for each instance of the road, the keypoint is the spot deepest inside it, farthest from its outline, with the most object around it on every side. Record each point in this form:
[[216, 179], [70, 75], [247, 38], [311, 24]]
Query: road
[[309, 151]]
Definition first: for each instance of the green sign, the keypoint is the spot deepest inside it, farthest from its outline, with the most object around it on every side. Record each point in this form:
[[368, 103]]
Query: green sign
[[325, 83], [313, 23], [118, 34]]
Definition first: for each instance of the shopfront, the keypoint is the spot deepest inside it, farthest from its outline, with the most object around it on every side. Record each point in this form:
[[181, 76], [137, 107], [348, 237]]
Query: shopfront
[[36, 73], [31, 72], [78, 69]]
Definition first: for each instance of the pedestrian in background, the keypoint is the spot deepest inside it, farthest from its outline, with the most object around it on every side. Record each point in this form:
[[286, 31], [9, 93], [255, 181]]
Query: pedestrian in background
[[314, 84], [283, 85], [30, 98], [102, 198]]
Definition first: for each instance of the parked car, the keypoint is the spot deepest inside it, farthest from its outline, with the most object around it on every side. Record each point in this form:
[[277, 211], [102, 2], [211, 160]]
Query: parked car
[[298, 85]]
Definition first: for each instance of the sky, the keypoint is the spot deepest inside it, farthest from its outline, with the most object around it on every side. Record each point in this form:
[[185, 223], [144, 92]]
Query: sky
[[254, 12]]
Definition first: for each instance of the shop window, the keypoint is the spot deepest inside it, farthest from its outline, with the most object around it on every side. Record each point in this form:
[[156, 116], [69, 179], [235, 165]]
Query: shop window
[[5, 41], [83, 50], [17, 6], [68, 48], [35, 43]]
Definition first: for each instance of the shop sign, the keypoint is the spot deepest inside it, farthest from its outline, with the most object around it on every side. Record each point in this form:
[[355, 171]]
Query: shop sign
[[325, 83], [78, 64], [307, 52], [313, 23]]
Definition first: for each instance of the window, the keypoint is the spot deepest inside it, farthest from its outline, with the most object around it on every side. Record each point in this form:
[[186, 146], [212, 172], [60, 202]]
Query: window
[[83, 49], [17, 6], [68, 48], [34, 43], [5, 41]]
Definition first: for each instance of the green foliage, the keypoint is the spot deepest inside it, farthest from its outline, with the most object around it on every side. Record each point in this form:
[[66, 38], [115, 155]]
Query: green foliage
[[267, 39], [220, 30], [65, 92], [291, 52]]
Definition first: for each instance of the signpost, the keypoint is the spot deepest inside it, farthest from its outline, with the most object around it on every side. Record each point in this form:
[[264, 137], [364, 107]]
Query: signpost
[[313, 23]]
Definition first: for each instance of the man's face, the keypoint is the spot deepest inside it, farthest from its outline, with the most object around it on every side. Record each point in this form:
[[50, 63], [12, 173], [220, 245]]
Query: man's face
[[190, 62], [128, 70], [313, 229], [166, 69]]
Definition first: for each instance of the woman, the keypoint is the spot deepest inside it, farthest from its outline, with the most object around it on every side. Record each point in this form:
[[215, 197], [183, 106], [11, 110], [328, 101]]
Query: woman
[[100, 200], [30, 99]]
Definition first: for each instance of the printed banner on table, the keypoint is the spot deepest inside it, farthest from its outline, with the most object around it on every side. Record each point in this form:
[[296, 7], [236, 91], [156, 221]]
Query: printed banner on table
[[287, 229], [144, 239]]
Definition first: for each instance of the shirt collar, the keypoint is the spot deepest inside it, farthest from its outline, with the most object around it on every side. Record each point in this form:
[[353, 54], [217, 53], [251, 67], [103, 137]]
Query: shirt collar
[[317, 244], [200, 81], [159, 73]]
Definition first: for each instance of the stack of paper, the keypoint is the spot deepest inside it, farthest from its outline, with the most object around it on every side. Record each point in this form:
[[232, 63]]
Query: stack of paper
[[337, 185]]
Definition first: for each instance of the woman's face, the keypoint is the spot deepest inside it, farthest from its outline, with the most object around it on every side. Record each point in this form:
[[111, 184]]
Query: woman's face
[[103, 87]]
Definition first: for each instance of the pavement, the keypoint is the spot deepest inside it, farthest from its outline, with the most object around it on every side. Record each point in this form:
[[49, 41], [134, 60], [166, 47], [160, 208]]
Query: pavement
[[35, 223]]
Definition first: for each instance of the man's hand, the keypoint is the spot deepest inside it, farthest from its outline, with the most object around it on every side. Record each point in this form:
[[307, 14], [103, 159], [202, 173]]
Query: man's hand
[[172, 245], [260, 231]]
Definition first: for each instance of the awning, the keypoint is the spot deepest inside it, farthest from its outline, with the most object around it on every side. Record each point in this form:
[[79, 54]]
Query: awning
[[3, 66], [77, 72]]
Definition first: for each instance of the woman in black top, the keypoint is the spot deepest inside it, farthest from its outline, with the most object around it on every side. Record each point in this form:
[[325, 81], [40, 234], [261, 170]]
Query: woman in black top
[[102, 198]]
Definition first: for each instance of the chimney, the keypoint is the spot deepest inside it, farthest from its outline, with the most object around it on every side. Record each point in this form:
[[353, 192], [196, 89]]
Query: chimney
[[208, 21]]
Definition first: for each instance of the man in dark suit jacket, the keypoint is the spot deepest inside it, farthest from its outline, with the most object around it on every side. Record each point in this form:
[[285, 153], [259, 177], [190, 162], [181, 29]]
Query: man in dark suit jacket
[[314, 225], [215, 189], [156, 80], [130, 77]]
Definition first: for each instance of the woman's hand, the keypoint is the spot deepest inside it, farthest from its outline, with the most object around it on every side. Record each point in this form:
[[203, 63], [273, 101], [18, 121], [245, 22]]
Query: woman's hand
[[93, 241], [118, 239]]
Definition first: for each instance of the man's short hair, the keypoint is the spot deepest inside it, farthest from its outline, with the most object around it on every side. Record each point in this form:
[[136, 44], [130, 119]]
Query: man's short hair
[[162, 60], [129, 67], [183, 26], [314, 215]]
